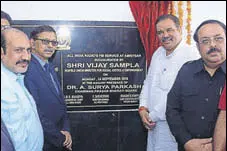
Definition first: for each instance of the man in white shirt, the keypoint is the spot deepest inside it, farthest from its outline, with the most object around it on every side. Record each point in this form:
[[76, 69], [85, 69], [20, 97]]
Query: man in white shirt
[[164, 66], [18, 108]]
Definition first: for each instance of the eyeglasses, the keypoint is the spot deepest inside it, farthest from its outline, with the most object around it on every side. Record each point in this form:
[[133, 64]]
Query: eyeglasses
[[46, 41], [3, 27], [207, 41]]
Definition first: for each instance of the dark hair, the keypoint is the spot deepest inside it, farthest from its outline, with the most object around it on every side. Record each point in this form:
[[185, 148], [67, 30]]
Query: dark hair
[[168, 16], [40, 29], [6, 16], [195, 36], [3, 42]]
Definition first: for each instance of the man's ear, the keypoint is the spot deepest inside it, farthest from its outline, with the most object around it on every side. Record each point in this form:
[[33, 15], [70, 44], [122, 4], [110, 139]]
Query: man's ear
[[2, 53], [32, 43], [180, 30], [198, 48], [197, 45]]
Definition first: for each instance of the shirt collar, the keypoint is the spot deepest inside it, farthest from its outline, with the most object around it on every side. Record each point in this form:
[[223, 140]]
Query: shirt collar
[[200, 66], [39, 60], [223, 66], [13, 76]]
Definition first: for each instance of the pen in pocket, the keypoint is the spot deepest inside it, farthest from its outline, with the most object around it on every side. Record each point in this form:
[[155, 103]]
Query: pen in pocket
[[220, 91]]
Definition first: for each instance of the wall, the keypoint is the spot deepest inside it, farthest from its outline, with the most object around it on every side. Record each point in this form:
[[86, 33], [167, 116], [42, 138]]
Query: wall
[[203, 10], [73, 10], [101, 11]]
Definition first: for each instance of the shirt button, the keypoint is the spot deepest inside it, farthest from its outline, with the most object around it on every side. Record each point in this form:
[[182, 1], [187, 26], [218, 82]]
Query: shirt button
[[198, 135], [206, 99], [202, 117], [210, 82]]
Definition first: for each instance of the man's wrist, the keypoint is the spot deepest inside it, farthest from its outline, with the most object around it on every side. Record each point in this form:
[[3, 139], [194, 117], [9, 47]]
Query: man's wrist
[[142, 108]]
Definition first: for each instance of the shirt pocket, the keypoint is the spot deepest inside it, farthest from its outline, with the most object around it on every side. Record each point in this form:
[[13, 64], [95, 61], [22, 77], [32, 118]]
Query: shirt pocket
[[166, 80], [155, 79], [190, 99], [11, 110]]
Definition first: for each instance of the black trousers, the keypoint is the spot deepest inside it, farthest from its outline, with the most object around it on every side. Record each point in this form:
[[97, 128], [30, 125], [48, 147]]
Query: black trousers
[[49, 147]]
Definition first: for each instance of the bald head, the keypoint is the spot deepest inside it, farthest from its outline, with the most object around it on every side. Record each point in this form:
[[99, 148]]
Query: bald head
[[15, 50], [9, 35]]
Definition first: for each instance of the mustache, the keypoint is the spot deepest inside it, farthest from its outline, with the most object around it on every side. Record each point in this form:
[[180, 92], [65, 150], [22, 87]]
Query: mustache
[[22, 61], [213, 50], [164, 39]]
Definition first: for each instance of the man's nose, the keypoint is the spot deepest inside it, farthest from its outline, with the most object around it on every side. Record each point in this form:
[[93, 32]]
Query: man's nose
[[212, 43], [26, 55], [165, 34]]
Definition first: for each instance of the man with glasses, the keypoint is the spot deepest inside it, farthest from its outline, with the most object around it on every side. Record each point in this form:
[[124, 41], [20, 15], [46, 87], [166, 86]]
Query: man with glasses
[[6, 20], [192, 103], [162, 72], [42, 82]]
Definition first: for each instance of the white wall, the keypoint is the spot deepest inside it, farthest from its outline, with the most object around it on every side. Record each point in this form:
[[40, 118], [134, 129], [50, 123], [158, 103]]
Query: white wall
[[100, 10], [203, 10], [68, 10]]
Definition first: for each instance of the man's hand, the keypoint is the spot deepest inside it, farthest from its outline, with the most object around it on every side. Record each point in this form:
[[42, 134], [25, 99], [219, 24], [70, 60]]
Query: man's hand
[[198, 145], [68, 140], [147, 122], [208, 147]]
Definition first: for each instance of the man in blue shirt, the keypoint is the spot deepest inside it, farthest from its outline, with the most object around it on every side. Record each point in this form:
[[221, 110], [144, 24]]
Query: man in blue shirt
[[42, 82], [6, 142], [18, 109], [192, 104]]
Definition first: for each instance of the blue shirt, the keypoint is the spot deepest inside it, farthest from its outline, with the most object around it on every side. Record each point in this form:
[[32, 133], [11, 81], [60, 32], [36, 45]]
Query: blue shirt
[[192, 104], [19, 113], [42, 63]]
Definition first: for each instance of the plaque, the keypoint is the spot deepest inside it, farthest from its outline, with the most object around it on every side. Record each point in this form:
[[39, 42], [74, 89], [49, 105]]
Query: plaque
[[101, 65]]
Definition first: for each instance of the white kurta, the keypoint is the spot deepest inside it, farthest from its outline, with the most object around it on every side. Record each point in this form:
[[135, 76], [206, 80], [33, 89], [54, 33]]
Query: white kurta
[[160, 78]]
